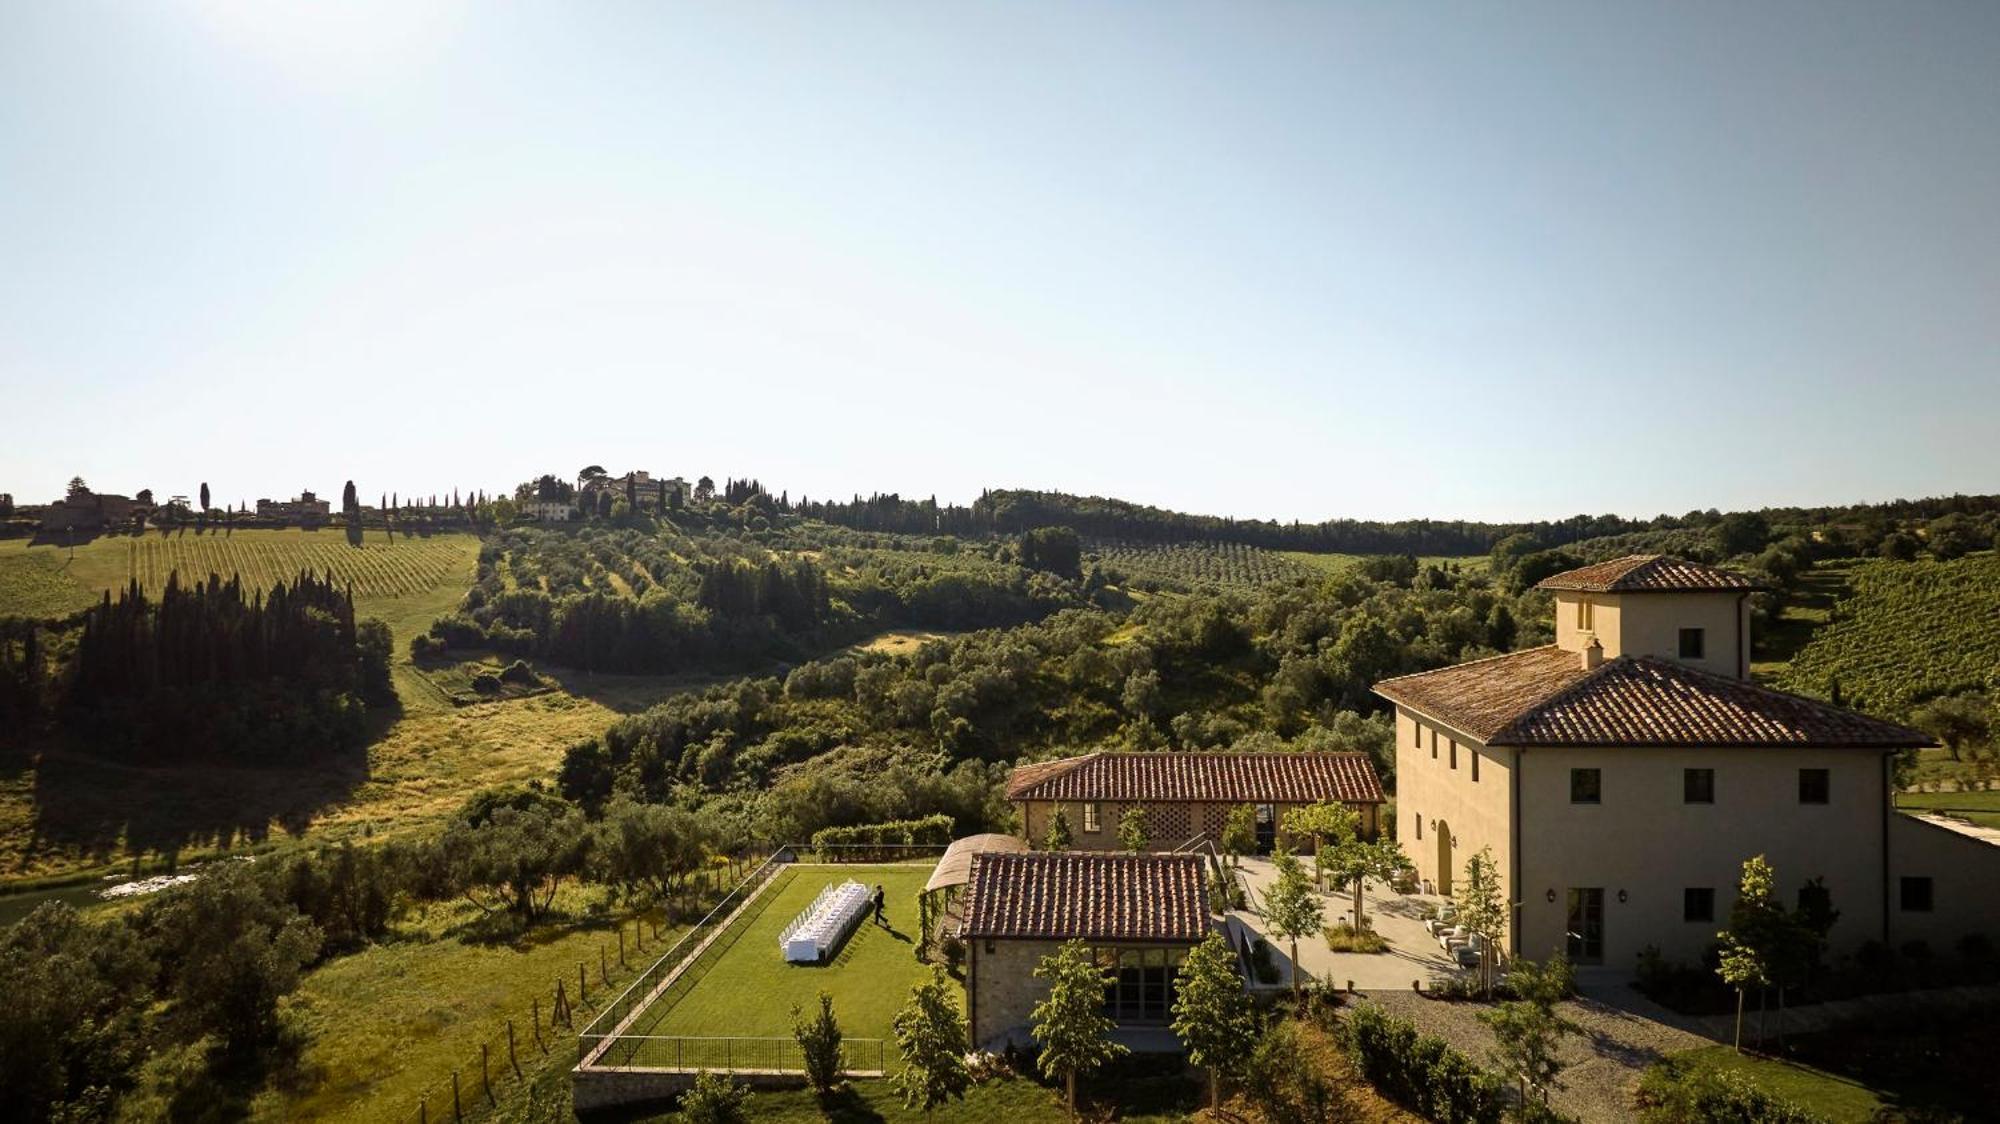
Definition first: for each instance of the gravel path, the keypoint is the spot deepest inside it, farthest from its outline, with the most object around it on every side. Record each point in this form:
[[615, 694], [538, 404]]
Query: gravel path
[[1604, 1062]]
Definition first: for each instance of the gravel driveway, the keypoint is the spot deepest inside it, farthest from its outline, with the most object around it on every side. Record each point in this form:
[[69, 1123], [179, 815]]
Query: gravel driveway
[[1603, 1063]]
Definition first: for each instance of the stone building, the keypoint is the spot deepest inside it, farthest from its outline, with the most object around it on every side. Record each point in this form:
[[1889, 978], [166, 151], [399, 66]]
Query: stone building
[[1187, 795], [1140, 914]]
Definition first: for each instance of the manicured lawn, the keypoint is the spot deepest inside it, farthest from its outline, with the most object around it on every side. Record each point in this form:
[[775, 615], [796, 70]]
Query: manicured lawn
[[748, 990], [1982, 808], [1834, 1097]]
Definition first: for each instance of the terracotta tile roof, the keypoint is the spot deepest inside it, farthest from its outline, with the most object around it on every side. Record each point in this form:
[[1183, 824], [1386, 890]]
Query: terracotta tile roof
[[1647, 573], [1235, 778], [1543, 696], [1046, 895]]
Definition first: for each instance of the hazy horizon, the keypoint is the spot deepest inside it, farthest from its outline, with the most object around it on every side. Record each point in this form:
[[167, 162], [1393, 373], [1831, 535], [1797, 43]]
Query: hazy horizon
[[1459, 262]]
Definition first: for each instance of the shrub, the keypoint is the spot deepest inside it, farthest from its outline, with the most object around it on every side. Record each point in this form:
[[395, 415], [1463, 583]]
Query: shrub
[[427, 647], [519, 672], [1261, 963], [1346, 938], [819, 1045], [1420, 1071], [1283, 1083], [486, 683], [931, 831], [1673, 1092], [715, 1099]]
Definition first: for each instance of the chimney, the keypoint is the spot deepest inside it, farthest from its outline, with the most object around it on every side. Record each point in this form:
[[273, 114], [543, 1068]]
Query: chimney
[[1593, 654]]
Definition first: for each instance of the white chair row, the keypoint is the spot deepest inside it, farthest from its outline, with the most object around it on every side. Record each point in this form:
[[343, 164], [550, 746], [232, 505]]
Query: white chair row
[[816, 930]]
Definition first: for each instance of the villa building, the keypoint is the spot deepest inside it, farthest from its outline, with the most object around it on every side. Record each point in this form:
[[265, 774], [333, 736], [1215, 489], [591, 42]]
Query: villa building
[[1622, 775], [1140, 913], [1187, 795]]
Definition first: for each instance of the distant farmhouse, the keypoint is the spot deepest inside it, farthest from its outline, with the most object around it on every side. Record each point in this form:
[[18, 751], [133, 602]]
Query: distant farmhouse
[[550, 511], [1622, 775], [651, 493], [307, 508], [1187, 796], [85, 510]]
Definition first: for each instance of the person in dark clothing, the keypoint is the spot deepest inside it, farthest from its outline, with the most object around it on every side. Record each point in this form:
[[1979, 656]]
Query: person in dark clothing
[[879, 898]]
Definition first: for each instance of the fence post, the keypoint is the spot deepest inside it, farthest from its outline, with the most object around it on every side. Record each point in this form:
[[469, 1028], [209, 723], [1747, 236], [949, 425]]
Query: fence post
[[621, 946], [485, 1079], [457, 1113], [423, 1110], [511, 1059], [537, 1001], [582, 992]]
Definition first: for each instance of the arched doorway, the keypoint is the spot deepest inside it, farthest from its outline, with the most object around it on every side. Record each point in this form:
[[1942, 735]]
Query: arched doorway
[[1444, 858]]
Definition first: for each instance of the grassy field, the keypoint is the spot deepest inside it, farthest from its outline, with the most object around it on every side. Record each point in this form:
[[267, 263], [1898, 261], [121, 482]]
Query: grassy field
[[1982, 808], [1837, 1098], [1341, 563], [899, 641], [387, 1025], [749, 989]]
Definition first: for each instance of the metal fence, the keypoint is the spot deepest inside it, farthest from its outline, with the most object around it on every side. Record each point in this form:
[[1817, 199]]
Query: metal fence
[[675, 1053]]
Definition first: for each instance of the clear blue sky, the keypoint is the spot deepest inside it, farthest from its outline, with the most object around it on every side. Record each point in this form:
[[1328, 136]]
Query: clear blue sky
[[1470, 260]]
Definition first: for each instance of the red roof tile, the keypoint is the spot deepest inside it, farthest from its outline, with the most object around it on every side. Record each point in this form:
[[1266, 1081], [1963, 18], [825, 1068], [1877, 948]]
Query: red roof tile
[[1648, 573], [1544, 697], [1085, 895], [1234, 778]]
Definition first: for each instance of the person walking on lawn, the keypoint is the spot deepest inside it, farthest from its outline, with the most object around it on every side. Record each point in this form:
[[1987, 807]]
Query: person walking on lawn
[[879, 897]]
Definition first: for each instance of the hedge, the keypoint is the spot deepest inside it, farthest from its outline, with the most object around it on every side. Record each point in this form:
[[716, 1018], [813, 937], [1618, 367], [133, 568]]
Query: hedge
[[1420, 1071], [929, 831]]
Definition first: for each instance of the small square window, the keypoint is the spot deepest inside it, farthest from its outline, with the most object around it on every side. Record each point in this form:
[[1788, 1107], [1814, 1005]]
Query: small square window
[[1692, 641], [1697, 786], [1916, 895], [1698, 903], [1814, 786], [1586, 786]]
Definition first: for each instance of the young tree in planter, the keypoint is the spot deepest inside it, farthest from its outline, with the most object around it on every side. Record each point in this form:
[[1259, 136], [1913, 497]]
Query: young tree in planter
[[1529, 1031], [930, 1036], [1212, 1014], [1291, 908], [819, 1045], [1239, 832], [1132, 832], [1070, 1023], [1059, 835], [1481, 911]]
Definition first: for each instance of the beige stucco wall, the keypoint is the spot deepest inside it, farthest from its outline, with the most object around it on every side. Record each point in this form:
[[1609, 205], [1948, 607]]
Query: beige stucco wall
[[1198, 817], [1644, 840], [1428, 789], [1965, 884], [1649, 624]]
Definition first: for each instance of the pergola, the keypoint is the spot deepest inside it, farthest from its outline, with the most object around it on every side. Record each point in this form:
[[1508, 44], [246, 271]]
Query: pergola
[[955, 869]]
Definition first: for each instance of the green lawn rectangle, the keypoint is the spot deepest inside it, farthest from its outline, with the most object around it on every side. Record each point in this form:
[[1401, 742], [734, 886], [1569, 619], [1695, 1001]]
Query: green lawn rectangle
[[746, 989], [1980, 807]]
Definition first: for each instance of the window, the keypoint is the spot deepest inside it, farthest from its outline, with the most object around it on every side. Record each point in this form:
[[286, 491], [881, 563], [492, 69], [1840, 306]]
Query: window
[[1434, 745], [1475, 766], [1420, 827], [1691, 643], [1697, 786], [1698, 903], [1139, 984], [1814, 786], [1586, 786], [1091, 822], [1916, 895], [1585, 618], [1454, 753], [1416, 734]]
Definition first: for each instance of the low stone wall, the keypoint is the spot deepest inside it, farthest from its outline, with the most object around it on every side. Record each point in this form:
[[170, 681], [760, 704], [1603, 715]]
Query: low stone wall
[[608, 1087]]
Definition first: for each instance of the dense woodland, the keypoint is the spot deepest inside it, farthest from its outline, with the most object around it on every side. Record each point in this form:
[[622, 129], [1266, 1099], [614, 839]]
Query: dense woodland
[[207, 672]]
